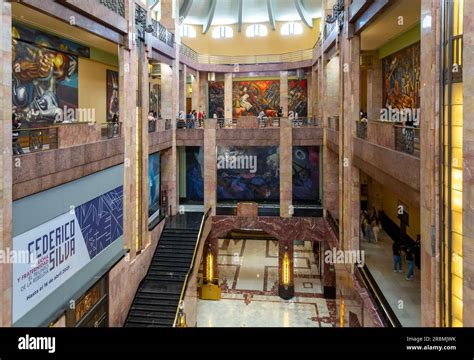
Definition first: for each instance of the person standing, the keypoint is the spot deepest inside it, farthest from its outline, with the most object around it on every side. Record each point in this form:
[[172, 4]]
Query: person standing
[[397, 259], [200, 119], [418, 252], [16, 124], [410, 261]]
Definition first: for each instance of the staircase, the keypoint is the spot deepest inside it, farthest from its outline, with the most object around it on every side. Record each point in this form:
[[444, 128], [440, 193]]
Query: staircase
[[157, 298]]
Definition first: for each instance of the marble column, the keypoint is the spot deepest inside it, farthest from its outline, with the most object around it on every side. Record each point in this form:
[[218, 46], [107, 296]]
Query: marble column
[[284, 92], [350, 176], [203, 93], [468, 168], [286, 171], [143, 143], [309, 81], [328, 274], [196, 92], [168, 14], [182, 88], [210, 165], [374, 88], [6, 161], [429, 153], [228, 95], [128, 119]]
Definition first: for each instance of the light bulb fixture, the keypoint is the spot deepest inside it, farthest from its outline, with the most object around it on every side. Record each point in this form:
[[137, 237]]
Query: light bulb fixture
[[209, 266], [285, 269]]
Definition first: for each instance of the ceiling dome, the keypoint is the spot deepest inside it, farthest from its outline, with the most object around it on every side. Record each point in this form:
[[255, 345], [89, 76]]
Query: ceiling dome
[[229, 12]]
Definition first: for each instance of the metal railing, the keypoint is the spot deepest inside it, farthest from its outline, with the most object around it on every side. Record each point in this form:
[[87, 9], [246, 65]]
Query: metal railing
[[407, 139], [151, 126], [36, 139], [191, 266], [161, 33], [361, 129], [110, 130], [117, 6], [188, 52], [305, 122], [300, 55]]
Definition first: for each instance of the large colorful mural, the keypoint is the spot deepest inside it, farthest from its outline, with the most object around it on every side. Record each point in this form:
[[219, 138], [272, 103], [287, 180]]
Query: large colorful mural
[[249, 173], [112, 94], [298, 97], [216, 98], [306, 174], [251, 97], [155, 99], [401, 76], [45, 75]]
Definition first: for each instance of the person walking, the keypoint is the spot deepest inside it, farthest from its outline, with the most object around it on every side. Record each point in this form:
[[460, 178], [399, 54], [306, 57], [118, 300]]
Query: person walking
[[375, 223], [418, 252], [410, 261], [397, 259]]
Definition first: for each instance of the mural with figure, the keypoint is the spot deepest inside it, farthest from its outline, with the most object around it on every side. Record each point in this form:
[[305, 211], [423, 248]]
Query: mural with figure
[[45, 75], [298, 97], [401, 79], [216, 98], [251, 97], [306, 174], [154, 161], [112, 94], [250, 173]]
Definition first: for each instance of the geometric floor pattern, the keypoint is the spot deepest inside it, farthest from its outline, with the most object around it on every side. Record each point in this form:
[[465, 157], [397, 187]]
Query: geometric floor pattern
[[248, 274]]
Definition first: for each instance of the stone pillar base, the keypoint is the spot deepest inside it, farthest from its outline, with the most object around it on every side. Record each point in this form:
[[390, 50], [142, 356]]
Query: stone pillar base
[[286, 292]]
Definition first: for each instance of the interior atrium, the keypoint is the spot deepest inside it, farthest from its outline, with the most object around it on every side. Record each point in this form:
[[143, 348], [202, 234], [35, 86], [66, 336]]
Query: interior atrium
[[237, 163]]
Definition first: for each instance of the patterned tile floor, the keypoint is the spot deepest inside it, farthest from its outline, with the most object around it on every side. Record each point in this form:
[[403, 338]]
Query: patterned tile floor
[[248, 272]]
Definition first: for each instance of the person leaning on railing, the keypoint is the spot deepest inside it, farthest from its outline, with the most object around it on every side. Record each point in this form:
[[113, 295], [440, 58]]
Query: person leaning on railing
[[16, 124]]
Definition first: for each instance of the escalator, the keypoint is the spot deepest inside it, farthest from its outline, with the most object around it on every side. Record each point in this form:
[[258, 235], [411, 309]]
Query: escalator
[[157, 299]]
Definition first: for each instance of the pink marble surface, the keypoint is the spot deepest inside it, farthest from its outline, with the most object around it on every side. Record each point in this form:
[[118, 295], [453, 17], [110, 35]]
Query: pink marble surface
[[78, 134]]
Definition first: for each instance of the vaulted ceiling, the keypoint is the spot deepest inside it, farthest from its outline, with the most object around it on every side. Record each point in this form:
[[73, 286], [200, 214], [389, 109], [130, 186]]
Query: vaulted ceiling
[[230, 12]]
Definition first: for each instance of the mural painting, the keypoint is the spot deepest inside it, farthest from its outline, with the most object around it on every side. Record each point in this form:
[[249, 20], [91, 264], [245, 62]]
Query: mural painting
[[45, 76], [251, 97], [112, 94], [216, 99], [298, 97], [401, 76]]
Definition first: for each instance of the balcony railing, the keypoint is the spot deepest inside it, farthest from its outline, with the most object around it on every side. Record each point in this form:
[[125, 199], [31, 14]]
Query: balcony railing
[[117, 6], [110, 130], [188, 52], [407, 139], [151, 126], [361, 129], [36, 139], [305, 122], [300, 55], [161, 33]]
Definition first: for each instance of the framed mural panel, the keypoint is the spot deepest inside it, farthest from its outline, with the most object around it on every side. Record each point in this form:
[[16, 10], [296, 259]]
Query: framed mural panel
[[251, 97], [216, 99], [298, 97]]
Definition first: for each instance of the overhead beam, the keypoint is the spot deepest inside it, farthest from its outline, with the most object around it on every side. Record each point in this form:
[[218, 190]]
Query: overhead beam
[[241, 11], [303, 13], [271, 16], [152, 6], [184, 9], [210, 16]]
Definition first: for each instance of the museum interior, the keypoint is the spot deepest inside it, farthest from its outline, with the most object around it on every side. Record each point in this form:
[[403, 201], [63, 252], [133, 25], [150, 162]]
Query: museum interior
[[239, 163]]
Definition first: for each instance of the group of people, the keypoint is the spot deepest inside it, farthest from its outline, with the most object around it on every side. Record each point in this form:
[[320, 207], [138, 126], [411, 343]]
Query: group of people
[[412, 256], [370, 225], [192, 119]]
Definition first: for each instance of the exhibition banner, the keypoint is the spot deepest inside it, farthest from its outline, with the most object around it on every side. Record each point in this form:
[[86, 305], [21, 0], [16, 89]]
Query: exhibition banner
[[61, 247]]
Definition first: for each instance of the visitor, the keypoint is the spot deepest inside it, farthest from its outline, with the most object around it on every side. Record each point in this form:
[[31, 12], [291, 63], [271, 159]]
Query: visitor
[[199, 119], [16, 124], [375, 223], [417, 252], [397, 259], [261, 119], [410, 261], [280, 112]]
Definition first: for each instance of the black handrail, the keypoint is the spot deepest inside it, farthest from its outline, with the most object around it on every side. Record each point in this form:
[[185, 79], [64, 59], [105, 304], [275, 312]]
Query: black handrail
[[382, 306], [191, 267]]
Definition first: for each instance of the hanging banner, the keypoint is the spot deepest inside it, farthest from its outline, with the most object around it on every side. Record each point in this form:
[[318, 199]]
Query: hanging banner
[[61, 247]]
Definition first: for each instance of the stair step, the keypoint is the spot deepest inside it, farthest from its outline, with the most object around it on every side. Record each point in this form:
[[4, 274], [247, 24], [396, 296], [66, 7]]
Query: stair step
[[166, 279], [143, 294], [163, 250], [152, 314], [173, 256], [175, 245], [155, 308], [161, 272], [156, 302], [150, 322]]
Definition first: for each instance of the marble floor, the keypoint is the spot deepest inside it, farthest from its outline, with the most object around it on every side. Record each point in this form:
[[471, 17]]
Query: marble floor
[[402, 295], [248, 274]]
